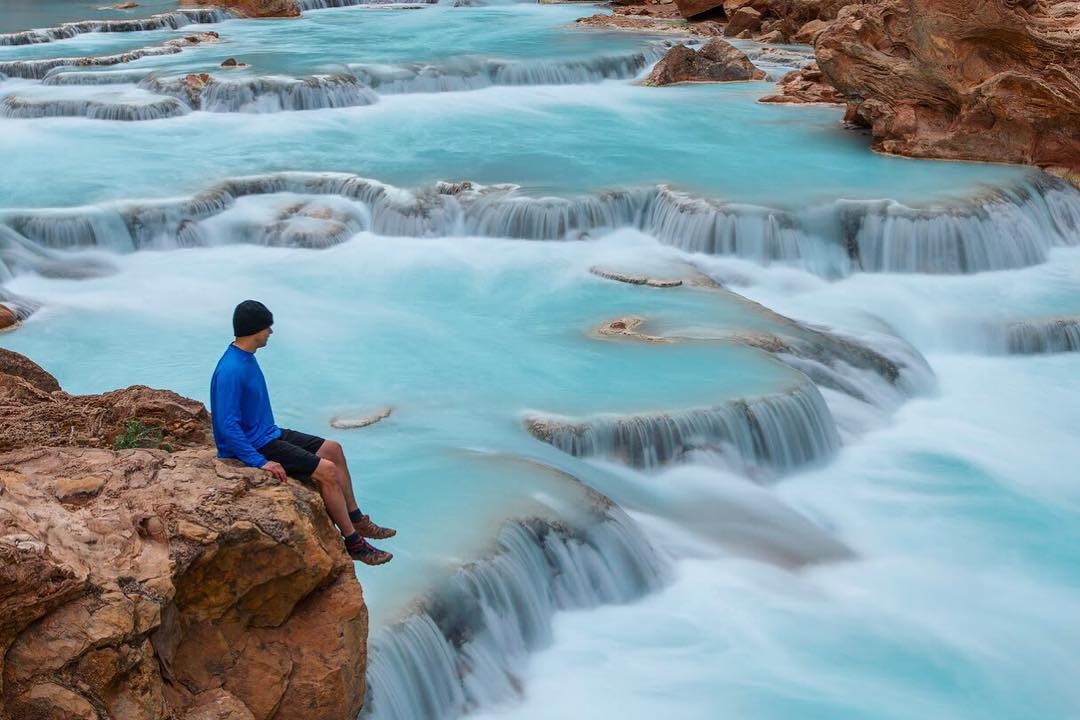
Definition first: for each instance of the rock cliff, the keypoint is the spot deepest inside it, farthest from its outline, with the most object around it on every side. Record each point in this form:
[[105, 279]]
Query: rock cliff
[[250, 8], [159, 582], [991, 80]]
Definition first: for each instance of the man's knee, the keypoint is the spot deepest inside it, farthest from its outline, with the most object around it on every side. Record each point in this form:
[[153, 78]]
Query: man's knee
[[332, 449], [326, 472]]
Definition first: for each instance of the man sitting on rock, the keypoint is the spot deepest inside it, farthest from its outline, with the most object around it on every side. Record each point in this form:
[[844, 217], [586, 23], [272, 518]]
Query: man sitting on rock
[[244, 428]]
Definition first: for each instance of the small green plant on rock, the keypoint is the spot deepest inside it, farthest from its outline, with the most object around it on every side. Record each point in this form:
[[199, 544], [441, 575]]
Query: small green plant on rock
[[137, 434]]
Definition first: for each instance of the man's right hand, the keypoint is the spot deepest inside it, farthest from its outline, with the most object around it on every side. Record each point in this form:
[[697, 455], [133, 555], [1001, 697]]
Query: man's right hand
[[275, 469]]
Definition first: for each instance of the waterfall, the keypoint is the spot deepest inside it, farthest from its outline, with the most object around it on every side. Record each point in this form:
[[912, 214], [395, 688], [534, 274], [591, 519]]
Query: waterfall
[[105, 77], [781, 431], [39, 69], [472, 74], [266, 94], [830, 240], [467, 644], [1011, 228], [1052, 335], [15, 107], [162, 21], [883, 378]]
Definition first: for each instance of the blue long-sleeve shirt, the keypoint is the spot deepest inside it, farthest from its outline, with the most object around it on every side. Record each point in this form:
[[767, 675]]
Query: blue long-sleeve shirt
[[240, 408]]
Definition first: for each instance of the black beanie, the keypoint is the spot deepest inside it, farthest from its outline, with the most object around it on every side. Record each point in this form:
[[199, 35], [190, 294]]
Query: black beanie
[[250, 317]]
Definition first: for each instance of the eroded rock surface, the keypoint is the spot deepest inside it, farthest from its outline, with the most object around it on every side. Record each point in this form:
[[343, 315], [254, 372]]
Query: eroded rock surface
[[716, 61], [251, 8], [964, 79], [7, 317], [805, 86], [768, 20], [150, 585]]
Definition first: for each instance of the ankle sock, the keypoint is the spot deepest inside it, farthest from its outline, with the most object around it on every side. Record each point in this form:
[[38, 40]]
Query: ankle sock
[[356, 515], [353, 540]]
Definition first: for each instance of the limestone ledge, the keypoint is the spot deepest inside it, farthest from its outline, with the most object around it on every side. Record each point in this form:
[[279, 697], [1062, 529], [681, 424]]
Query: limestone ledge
[[144, 584]]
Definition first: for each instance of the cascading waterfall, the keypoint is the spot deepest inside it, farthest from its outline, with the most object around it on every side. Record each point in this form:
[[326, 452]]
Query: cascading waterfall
[[467, 645], [14, 106], [266, 94], [39, 69], [163, 21], [883, 376], [1051, 335], [1010, 228], [782, 431], [473, 74], [85, 77], [828, 240]]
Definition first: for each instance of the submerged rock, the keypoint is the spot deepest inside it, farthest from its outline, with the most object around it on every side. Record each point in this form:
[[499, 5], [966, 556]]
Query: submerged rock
[[151, 585], [350, 422], [716, 61], [961, 79], [634, 279]]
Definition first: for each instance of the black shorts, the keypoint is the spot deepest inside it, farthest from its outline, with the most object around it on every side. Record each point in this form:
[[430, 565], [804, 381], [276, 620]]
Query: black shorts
[[296, 453]]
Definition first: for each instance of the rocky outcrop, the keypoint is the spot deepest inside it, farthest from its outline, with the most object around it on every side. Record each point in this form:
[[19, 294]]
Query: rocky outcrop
[[716, 61], [144, 584], [251, 8], [647, 8], [805, 86], [777, 20], [962, 79], [7, 318]]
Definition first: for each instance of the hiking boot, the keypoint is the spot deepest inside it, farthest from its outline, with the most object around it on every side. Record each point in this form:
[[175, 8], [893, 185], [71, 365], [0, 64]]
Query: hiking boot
[[366, 553], [368, 529]]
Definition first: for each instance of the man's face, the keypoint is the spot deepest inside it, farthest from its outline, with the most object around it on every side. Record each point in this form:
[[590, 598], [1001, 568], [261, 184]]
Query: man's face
[[262, 337]]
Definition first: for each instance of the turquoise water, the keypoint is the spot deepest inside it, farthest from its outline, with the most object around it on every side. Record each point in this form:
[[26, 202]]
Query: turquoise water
[[713, 140], [460, 338], [918, 560], [29, 14]]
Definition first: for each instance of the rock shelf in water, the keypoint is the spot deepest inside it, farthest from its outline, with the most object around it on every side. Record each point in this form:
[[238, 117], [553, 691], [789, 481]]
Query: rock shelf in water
[[163, 21], [1005, 228], [781, 431], [353, 422], [148, 583], [39, 69]]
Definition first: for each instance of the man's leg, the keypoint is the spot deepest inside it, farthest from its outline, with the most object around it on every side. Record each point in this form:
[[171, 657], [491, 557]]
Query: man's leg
[[327, 475], [332, 451]]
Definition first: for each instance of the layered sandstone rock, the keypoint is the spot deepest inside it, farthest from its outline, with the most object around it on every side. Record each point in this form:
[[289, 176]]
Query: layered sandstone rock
[[647, 8], [150, 585], [716, 61], [966, 79], [805, 86], [251, 8], [779, 20], [7, 317]]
